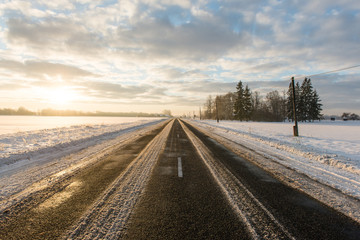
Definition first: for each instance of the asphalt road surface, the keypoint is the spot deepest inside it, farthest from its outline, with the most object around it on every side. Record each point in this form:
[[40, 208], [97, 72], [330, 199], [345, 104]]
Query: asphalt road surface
[[173, 183], [193, 206]]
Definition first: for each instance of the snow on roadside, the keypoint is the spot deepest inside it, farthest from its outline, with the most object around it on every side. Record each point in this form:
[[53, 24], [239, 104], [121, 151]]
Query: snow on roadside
[[327, 151], [32, 169], [332, 143], [26, 144], [108, 216]]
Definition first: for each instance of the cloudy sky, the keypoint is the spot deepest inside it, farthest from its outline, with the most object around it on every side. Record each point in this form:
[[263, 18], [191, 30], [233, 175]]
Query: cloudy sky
[[150, 55]]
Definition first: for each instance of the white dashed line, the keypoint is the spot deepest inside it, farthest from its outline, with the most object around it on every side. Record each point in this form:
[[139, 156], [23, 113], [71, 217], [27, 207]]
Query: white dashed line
[[180, 172]]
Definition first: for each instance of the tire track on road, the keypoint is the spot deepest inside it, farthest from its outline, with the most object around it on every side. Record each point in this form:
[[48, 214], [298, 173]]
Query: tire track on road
[[108, 216], [50, 212], [259, 221], [291, 210]]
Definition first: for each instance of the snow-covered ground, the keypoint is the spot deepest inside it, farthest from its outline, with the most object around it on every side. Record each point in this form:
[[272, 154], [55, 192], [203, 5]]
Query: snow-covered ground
[[27, 157], [332, 143], [330, 146], [15, 124], [328, 153], [15, 145]]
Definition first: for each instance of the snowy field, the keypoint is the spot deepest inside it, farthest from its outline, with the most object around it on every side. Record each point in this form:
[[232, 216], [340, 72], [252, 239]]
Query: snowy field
[[14, 124], [334, 143], [29, 134], [330, 146], [29, 156], [328, 153]]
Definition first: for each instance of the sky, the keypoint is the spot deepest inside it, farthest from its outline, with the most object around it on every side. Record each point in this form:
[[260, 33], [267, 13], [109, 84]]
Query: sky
[[151, 55]]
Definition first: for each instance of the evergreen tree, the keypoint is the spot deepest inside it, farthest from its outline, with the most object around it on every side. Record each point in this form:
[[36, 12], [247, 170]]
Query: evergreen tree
[[311, 100], [298, 102], [315, 107], [247, 104], [289, 103], [308, 106], [242, 105], [306, 97], [239, 102]]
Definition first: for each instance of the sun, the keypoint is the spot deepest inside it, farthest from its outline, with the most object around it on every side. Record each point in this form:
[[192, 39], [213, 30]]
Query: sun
[[60, 96]]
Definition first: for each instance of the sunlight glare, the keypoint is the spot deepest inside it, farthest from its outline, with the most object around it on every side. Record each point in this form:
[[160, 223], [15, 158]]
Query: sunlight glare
[[61, 96]]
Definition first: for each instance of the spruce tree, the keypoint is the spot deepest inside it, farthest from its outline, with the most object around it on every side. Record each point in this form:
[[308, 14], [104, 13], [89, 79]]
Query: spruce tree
[[306, 96], [290, 104], [308, 106], [239, 102], [298, 102], [315, 107], [247, 104]]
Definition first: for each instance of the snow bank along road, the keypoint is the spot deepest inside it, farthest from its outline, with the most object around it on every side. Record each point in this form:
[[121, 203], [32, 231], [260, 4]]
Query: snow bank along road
[[173, 181]]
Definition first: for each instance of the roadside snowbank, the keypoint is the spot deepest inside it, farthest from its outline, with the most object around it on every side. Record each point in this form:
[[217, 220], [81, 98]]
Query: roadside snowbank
[[27, 144], [332, 143], [44, 156], [328, 152]]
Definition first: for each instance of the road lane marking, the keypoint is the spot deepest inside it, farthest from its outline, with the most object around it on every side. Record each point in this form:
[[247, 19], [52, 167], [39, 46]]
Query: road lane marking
[[180, 172]]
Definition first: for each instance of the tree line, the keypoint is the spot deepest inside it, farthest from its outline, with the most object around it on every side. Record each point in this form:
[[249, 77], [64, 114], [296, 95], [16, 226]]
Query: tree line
[[350, 116], [245, 105]]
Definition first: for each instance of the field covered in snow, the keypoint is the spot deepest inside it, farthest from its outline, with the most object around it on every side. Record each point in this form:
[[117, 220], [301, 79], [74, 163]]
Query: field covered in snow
[[29, 156], [15, 124], [325, 151], [333, 143], [29, 134]]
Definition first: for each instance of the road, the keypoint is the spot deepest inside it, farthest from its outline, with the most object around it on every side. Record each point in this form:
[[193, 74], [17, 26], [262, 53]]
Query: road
[[174, 182]]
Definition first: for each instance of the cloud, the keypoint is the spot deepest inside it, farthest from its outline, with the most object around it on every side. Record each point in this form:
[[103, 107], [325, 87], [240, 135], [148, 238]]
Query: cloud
[[162, 51], [114, 90], [24, 8], [160, 39], [205, 87], [44, 70], [52, 35]]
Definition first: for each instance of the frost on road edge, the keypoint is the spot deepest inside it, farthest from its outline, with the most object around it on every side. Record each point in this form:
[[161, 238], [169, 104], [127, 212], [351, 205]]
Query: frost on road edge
[[260, 222], [108, 216], [273, 163]]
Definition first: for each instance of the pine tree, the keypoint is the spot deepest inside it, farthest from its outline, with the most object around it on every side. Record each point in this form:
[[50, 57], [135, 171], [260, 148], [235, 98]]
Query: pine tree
[[298, 102], [247, 104], [315, 107], [239, 102], [308, 106], [311, 102], [306, 96], [289, 103]]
